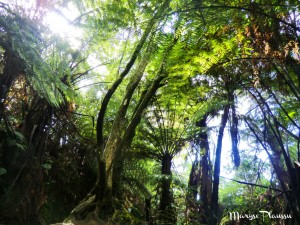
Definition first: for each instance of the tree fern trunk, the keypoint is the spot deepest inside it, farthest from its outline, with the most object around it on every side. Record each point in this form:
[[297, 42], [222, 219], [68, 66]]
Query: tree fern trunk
[[167, 214], [200, 180], [148, 211], [206, 179], [214, 211], [192, 205]]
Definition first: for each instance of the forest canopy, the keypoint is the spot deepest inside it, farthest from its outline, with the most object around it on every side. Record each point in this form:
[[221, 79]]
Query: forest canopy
[[149, 112]]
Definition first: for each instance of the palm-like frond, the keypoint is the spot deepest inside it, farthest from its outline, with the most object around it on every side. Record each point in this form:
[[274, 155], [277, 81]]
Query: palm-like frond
[[24, 39]]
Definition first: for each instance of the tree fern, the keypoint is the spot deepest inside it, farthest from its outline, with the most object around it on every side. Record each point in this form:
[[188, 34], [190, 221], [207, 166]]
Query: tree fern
[[24, 38]]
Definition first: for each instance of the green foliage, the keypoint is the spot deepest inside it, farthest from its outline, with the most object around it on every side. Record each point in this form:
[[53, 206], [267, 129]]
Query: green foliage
[[12, 144], [2, 171], [25, 39], [138, 177]]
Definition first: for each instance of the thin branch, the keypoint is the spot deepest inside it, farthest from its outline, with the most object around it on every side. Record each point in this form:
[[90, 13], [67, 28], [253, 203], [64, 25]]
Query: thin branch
[[268, 153], [96, 83], [288, 81], [253, 184], [280, 105]]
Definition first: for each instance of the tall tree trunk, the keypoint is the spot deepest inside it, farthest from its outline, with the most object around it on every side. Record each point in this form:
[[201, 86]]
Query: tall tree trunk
[[234, 130], [103, 187], [111, 165], [200, 181], [206, 179], [112, 153], [192, 205], [167, 213], [214, 211], [148, 211], [111, 91], [119, 126]]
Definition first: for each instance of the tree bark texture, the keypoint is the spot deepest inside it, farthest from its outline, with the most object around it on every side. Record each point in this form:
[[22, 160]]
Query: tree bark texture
[[206, 179], [167, 213], [200, 180], [102, 204], [136, 52], [214, 211]]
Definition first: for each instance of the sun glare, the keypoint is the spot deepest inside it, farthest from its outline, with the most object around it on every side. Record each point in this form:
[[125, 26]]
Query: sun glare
[[59, 20], [60, 23]]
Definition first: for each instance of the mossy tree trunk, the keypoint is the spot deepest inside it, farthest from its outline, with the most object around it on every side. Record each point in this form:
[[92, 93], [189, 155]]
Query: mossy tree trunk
[[111, 153], [111, 159]]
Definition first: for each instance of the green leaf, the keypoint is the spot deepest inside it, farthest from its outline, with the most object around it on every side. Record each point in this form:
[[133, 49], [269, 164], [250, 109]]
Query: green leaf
[[2, 171]]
